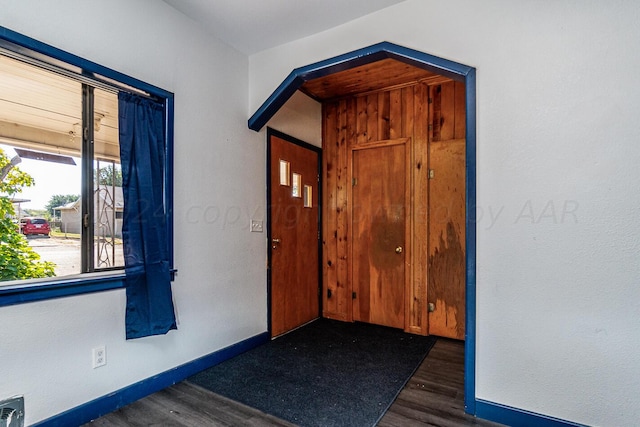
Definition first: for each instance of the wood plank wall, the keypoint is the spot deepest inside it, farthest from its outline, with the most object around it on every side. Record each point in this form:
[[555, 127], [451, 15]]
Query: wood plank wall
[[400, 112], [446, 234]]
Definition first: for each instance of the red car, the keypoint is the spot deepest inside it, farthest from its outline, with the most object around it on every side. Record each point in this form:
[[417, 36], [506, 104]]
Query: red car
[[32, 225]]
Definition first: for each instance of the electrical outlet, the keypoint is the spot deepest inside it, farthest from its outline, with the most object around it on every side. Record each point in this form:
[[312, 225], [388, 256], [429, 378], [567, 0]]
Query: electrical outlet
[[99, 356], [256, 226]]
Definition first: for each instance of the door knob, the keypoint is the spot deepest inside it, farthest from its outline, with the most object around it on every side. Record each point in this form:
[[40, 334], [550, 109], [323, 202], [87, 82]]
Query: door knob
[[398, 249], [274, 243]]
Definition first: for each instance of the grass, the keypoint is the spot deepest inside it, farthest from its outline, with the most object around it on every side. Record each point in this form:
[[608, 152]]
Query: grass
[[58, 233]]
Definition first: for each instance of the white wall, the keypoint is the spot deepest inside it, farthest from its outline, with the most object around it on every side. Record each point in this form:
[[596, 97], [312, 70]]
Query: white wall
[[300, 117], [220, 291], [558, 101]]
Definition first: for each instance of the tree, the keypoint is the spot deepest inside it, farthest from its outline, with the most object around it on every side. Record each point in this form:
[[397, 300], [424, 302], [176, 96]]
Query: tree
[[58, 200], [17, 259], [43, 213], [109, 175]]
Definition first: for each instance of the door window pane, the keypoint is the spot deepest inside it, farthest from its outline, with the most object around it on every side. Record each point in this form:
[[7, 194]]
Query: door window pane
[[296, 189], [284, 173], [308, 196]]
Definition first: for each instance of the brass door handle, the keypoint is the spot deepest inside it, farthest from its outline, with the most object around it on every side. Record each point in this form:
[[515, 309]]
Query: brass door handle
[[274, 243], [398, 249]]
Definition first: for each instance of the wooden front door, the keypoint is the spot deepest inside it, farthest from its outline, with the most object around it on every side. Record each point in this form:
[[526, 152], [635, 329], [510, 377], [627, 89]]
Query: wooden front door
[[294, 233], [446, 288], [380, 226]]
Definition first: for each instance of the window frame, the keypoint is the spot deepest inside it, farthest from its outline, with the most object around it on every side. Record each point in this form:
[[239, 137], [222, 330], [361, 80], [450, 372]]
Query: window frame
[[41, 54]]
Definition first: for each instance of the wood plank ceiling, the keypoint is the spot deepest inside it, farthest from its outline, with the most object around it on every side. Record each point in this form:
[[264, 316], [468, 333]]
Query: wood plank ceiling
[[383, 74]]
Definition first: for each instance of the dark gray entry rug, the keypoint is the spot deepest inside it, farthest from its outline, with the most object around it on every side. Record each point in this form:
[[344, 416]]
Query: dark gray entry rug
[[327, 373]]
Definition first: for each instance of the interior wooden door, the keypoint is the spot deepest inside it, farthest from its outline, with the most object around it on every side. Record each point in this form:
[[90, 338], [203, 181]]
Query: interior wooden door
[[294, 234], [379, 237], [446, 287]]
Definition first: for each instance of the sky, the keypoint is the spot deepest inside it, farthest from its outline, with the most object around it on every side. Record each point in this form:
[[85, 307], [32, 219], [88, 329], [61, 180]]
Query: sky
[[50, 178]]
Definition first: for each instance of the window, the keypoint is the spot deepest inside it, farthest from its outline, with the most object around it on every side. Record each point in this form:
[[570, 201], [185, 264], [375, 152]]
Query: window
[[75, 164], [59, 125]]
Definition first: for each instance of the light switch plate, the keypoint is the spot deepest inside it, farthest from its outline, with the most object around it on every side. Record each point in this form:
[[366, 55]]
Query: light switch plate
[[256, 226]]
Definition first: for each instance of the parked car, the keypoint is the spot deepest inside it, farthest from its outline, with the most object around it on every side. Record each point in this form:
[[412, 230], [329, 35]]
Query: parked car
[[33, 225]]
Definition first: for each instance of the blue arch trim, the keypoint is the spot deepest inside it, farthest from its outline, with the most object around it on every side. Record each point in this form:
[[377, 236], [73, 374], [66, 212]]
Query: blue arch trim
[[470, 244], [444, 67], [356, 58]]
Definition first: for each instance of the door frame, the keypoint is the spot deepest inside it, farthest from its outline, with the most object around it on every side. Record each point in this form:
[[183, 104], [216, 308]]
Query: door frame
[[290, 139], [456, 71]]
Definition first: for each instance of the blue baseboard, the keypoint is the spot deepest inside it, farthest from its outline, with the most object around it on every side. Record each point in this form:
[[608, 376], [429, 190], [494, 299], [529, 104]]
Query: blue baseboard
[[515, 417], [109, 403]]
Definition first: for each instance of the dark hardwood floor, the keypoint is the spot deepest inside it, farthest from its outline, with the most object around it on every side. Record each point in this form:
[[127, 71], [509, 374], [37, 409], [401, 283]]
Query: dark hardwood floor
[[433, 397], [186, 405]]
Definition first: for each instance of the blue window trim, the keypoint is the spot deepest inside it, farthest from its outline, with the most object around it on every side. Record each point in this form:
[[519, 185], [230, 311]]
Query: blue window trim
[[43, 290], [76, 285], [453, 70]]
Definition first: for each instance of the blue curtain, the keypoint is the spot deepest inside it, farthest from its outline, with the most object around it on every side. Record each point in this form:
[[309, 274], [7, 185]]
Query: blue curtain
[[144, 230]]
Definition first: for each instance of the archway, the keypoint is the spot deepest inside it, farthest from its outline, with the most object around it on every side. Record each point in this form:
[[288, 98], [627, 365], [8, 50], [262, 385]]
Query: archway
[[456, 71]]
